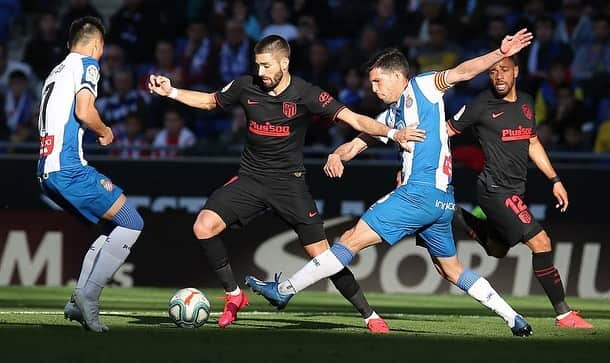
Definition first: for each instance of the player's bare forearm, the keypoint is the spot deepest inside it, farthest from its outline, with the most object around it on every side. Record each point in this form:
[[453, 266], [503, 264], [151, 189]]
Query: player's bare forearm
[[363, 123], [162, 86], [196, 99], [540, 158], [349, 150], [511, 44]]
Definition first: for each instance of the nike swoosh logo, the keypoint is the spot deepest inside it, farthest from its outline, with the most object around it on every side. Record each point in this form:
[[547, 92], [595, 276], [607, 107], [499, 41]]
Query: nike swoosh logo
[[312, 214], [250, 102], [496, 115]]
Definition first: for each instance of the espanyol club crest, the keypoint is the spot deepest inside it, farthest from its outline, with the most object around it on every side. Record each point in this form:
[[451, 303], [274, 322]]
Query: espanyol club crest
[[107, 184], [527, 112], [289, 109], [409, 101]]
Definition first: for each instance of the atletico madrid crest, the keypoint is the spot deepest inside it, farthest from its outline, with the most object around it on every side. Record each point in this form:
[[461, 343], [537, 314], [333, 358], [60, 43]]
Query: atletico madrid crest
[[289, 109]]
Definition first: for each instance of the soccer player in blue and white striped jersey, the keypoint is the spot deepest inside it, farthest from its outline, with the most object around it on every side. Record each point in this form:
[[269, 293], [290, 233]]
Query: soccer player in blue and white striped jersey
[[66, 109], [424, 203]]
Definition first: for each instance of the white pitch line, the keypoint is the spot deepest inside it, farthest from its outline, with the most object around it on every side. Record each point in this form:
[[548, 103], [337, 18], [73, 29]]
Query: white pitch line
[[243, 313]]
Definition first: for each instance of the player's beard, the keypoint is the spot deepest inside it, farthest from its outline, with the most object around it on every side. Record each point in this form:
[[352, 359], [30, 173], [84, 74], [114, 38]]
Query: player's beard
[[275, 80]]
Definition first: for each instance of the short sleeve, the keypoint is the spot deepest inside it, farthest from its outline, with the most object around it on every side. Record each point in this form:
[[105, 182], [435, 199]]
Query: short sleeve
[[383, 118], [320, 102], [87, 75], [465, 117], [433, 85], [229, 94]]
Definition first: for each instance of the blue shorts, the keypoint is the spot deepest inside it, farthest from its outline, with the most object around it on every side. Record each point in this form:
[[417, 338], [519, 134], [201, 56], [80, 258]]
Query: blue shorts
[[82, 191], [415, 208]]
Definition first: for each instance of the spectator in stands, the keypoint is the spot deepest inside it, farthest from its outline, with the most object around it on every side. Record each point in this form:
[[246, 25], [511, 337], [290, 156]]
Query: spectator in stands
[[299, 48], [129, 139], [199, 58], [438, 53], [125, 100], [574, 26], [8, 10], [280, 22], [592, 62], [358, 53], [174, 137], [547, 99], [602, 142], [8, 66], [418, 26], [19, 103], [569, 111], [4, 132], [165, 64], [112, 60], [47, 48], [236, 135], [545, 50], [135, 28], [352, 94], [77, 9], [241, 13], [235, 52], [386, 21], [319, 70]]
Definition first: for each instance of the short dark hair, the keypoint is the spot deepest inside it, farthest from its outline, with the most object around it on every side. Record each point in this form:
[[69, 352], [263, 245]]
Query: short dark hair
[[390, 59], [83, 29], [18, 74], [272, 44]]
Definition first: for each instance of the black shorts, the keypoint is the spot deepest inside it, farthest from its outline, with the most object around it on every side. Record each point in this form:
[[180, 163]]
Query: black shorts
[[246, 196], [508, 216]]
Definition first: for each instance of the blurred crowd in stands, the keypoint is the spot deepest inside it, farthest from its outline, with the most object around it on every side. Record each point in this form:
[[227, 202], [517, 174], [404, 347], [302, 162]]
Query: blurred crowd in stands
[[204, 44]]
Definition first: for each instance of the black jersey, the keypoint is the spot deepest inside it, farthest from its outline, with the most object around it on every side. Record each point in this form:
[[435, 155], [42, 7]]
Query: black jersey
[[504, 130], [276, 124]]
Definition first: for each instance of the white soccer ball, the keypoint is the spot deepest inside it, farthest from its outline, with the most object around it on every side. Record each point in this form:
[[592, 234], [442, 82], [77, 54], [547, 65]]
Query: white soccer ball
[[189, 308]]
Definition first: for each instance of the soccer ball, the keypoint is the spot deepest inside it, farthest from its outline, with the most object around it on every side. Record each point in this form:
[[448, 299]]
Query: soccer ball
[[189, 308]]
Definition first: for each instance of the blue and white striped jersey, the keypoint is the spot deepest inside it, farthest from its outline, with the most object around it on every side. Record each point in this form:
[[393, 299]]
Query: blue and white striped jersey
[[61, 132], [421, 106]]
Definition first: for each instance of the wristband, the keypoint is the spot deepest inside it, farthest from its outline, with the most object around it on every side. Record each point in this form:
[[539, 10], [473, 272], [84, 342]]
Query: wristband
[[555, 179], [391, 134], [173, 93]]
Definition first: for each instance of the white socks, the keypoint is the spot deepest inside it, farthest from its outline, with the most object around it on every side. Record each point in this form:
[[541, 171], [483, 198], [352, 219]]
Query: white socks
[[89, 259], [322, 266], [235, 292], [482, 291], [111, 257]]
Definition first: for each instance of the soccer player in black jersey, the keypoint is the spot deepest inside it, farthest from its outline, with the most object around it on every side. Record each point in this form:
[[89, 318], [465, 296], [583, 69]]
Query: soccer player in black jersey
[[278, 107], [504, 122]]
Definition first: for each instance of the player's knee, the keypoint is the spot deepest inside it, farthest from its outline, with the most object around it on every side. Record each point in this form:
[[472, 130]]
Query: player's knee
[[540, 243], [204, 228]]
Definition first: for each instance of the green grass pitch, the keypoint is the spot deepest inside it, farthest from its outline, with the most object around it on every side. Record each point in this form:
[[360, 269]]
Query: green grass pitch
[[316, 327]]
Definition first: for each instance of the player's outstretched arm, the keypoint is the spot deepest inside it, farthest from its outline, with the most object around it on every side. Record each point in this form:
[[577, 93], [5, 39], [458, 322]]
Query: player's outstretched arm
[[162, 86], [346, 152], [541, 159], [369, 126], [511, 44], [86, 112]]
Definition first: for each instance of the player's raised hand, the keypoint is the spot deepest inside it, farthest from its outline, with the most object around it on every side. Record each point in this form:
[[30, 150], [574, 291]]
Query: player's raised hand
[[107, 138], [512, 44], [403, 136], [333, 167], [561, 195], [159, 84]]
